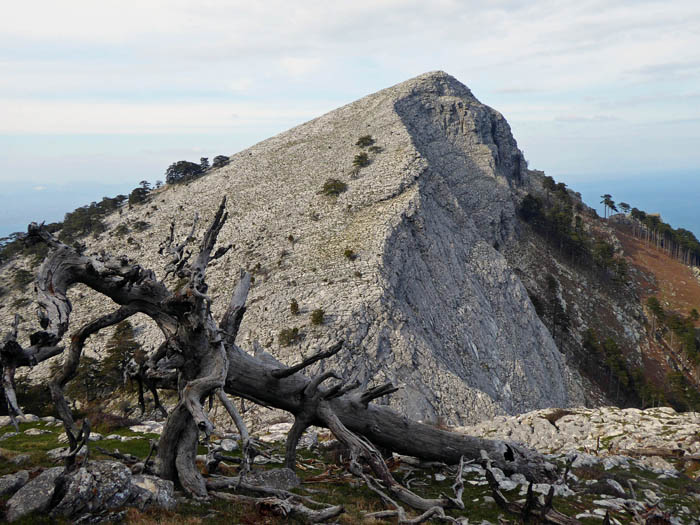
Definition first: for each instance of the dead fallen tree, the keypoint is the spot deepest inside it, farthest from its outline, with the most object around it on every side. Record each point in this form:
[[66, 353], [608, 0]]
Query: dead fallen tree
[[199, 357]]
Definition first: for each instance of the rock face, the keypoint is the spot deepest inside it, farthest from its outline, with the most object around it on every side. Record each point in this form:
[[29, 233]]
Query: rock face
[[404, 263]]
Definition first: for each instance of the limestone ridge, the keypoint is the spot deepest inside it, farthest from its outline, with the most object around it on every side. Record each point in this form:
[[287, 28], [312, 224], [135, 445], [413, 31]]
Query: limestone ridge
[[429, 302], [462, 331]]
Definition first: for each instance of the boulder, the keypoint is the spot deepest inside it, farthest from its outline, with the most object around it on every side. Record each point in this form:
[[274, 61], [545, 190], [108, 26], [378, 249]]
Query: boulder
[[152, 491], [309, 440], [507, 484], [658, 465], [96, 487], [35, 496], [11, 483], [62, 452], [276, 432], [36, 432], [148, 427], [280, 478], [228, 445], [21, 459], [27, 418]]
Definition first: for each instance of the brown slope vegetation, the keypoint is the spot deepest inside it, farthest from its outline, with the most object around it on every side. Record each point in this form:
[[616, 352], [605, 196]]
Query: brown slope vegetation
[[671, 281], [678, 290]]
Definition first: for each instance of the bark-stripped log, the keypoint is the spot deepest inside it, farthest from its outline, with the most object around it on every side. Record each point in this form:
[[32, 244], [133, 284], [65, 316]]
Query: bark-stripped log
[[252, 378]]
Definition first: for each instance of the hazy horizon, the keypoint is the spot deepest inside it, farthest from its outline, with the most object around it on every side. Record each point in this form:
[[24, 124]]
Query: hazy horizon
[[673, 195]]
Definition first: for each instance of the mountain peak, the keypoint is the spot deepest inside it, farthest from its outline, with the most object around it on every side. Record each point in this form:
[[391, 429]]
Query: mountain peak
[[439, 80], [436, 83], [391, 236]]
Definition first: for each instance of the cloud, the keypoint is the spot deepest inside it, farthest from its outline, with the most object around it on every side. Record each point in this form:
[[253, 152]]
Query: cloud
[[517, 91], [221, 67], [241, 85], [667, 71], [39, 188], [676, 121], [299, 67], [61, 117], [566, 45], [584, 118]]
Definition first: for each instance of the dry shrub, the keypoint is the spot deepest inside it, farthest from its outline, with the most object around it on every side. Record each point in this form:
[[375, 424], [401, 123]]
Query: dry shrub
[[105, 422], [159, 517]]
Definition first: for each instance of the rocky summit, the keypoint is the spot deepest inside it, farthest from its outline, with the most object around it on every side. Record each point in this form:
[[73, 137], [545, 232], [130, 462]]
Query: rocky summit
[[388, 214]]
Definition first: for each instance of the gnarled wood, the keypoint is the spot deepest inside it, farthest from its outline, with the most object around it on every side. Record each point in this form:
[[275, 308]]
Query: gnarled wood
[[12, 356], [70, 364]]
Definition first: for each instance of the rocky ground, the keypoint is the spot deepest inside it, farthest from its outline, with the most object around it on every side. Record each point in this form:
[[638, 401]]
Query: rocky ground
[[600, 431], [635, 466]]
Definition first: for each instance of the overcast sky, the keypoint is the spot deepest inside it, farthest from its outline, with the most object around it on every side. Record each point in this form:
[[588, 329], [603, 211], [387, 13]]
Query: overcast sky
[[111, 92]]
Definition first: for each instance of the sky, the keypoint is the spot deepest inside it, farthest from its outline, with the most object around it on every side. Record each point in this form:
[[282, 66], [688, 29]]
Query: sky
[[97, 96]]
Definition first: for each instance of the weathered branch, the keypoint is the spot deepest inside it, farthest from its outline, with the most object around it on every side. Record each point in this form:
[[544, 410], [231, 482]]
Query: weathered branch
[[9, 352], [285, 508], [242, 486], [376, 392], [363, 450], [458, 486], [233, 316], [209, 347], [199, 267], [8, 386], [436, 512], [12, 356], [312, 388], [77, 443], [72, 360], [293, 437], [247, 449], [180, 257], [137, 465], [115, 277], [281, 373], [341, 389]]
